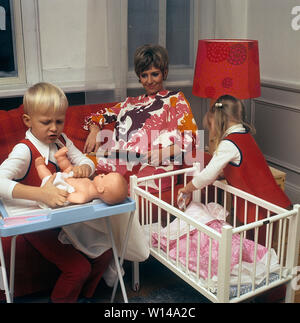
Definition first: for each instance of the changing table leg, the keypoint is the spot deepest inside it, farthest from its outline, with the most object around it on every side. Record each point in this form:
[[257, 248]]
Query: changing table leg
[[124, 247], [12, 266], [117, 263], [135, 276], [4, 274]]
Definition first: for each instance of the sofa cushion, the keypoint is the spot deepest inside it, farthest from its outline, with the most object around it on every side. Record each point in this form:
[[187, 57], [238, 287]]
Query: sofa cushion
[[12, 130]]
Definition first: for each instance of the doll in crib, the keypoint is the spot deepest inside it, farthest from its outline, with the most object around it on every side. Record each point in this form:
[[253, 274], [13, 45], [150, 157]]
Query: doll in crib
[[111, 188], [214, 216]]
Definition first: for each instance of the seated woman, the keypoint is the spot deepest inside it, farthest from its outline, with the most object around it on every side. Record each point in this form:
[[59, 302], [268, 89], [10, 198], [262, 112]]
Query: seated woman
[[151, 125], [111, 188]]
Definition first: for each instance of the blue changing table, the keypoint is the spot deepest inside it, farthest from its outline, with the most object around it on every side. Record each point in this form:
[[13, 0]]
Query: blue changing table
[[44, 219]]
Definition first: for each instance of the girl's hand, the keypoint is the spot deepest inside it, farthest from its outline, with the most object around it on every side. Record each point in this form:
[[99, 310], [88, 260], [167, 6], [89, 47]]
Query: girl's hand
[[91, 144], [51, 195], [81, 171], [183, 195]]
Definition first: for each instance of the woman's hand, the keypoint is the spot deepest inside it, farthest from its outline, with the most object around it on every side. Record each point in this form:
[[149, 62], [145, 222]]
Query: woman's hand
[[159, 156], [91, 144], [154, 157]]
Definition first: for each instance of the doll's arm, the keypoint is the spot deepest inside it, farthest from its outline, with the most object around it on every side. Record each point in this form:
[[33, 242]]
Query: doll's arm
[[41, 168], [62, 160], [78, 198]]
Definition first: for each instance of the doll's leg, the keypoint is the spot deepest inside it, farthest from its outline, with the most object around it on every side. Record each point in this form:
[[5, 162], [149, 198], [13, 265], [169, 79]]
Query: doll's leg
[[62, 160], [41, 168]]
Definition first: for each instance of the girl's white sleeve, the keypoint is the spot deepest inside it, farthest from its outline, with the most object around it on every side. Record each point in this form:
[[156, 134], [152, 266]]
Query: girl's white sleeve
[[226, 152], [13, 168]]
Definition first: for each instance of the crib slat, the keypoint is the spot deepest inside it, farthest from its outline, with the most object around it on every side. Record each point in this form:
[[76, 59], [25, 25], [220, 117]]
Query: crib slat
[[159, 229], [255, 257], [216, 195], [177, 242], [147, 206], [256, 212], [240, 265], [187, 249], [198, 256], [209, 260], [267, 231], [279, 239], [245, 215], [150, 231], [283, 246], [234, 211], [143, 211], [225, 203], [269, 252], [168, 235], [172, 190]]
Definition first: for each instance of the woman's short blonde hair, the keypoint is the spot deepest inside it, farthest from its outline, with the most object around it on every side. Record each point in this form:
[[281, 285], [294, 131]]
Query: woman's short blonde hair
[[150, 55], [44, 97]]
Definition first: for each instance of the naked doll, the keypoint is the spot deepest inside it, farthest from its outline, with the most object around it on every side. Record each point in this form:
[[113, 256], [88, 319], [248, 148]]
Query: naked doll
[[111, 188]]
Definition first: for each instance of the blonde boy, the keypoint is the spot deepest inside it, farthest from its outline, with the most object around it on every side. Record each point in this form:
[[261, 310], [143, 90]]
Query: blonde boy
[[45, 107]]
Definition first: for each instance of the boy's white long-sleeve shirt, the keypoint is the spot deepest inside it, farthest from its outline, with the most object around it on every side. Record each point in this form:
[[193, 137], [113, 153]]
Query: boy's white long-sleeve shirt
[[17, 163], [225, 153]]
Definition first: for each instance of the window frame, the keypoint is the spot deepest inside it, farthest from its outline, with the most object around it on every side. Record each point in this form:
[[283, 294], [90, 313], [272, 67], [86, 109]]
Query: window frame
[[178, 75], [16, 17]]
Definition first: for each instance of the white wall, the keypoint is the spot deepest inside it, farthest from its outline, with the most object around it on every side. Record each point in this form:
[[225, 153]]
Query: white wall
[[73, 36], [269, 21]]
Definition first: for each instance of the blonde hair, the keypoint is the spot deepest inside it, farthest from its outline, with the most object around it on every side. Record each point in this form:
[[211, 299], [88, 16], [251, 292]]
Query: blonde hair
[[225, 110], [44, 97]]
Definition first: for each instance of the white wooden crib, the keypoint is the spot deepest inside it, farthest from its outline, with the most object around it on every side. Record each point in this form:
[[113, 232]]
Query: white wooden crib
[[282, 237]]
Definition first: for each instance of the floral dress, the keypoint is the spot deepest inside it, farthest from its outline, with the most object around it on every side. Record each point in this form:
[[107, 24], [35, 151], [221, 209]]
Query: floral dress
[[142, 124]]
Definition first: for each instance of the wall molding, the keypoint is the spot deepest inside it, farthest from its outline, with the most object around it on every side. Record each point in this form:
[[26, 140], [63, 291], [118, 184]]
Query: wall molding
[[283, 164], [281, 85], [293, 192], [276, 105]]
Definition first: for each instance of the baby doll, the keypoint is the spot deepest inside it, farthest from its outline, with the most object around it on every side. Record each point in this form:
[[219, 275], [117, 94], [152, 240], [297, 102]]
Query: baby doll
[[111, 188]]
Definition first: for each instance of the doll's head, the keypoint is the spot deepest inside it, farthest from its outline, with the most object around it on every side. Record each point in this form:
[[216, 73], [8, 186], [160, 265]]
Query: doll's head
[[112, 187]]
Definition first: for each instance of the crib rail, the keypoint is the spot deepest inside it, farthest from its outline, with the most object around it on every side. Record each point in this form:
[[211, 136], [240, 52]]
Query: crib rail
[[177, 240]]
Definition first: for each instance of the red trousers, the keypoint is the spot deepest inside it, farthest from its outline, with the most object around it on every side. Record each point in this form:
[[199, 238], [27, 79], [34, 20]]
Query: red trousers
[[79, 275]]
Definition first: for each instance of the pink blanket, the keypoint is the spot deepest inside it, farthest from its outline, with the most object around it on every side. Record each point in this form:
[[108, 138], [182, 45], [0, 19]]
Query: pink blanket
[[248, 247]]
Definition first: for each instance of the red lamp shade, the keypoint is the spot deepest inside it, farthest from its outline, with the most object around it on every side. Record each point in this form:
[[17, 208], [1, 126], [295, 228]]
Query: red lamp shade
[[227, 66]]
